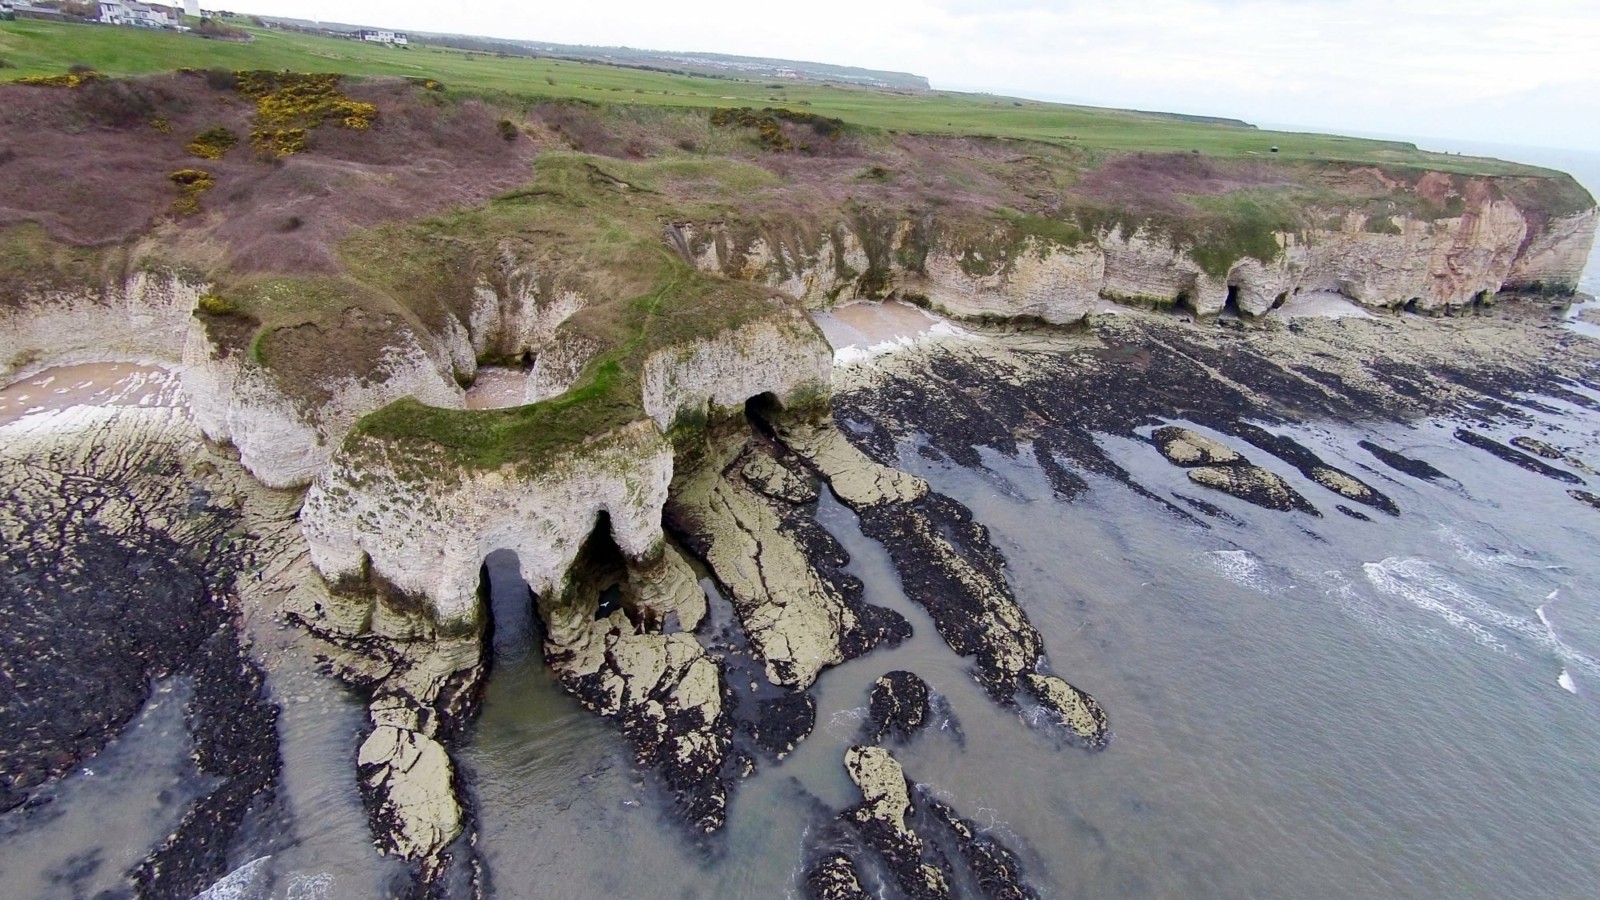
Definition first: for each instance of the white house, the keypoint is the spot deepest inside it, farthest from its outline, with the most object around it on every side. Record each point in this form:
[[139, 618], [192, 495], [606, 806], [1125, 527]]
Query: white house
[[391, 38], [139, 15]]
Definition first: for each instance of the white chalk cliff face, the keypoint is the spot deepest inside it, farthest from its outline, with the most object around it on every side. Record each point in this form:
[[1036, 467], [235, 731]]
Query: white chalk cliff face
[[1428, 265], [368, 512], [144, 319], [783, 355], [282, 439], [428, 537], [284, 436]]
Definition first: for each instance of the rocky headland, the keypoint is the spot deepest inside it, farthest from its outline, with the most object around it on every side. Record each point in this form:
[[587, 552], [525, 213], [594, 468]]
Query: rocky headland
[[326, 301]]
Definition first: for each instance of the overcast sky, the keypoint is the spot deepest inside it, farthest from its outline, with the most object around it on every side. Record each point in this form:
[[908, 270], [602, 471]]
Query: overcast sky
[[1510, 71]]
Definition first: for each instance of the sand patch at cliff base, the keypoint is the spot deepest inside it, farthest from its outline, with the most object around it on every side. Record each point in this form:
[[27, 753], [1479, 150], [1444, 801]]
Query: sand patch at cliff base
[[498, 388], [1323, 304], [865, 329], [91, 384]]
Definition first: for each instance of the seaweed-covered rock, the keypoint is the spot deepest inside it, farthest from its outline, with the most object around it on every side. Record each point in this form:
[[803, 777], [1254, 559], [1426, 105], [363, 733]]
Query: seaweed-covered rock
[[119, 555], [1190, 449], [775, 480], [1416, 468], [671, 699], [1073, 709], [1346, 485], [1253, 484], [1313, 467], [1540, 448], [781, 571], [882, 820], [834, 878], [782, 722], [899, 706]]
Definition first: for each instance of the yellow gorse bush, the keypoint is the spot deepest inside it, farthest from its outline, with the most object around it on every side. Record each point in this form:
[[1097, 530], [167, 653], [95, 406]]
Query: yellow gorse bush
[[67, 80], [191, 184], [213, 143], [290, 104]]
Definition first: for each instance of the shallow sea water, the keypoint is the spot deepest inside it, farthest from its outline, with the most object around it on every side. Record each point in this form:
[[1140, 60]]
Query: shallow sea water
[[1301, 706]]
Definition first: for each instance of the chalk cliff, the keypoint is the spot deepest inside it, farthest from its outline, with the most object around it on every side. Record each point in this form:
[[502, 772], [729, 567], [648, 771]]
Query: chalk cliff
[[1424, 264]]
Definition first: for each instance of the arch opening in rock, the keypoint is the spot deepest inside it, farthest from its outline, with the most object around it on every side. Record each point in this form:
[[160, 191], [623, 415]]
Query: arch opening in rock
[[1230, 306], [595, 586], [514, 628], [1282, 299], [1183, 304], [762, 410]]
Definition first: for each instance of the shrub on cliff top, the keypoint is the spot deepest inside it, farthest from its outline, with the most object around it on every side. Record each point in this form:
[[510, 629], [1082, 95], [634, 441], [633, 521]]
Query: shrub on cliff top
[[191, 184], [769, 130], [290, 104], [213, 305], [213, 143], [77, 76]]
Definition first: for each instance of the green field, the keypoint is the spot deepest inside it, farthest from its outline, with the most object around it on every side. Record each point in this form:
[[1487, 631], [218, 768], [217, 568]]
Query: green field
[[34, 48]]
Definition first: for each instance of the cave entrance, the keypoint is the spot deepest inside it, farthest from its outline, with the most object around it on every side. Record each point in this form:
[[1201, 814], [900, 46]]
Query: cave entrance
[[1230, 306], [599, 578], [761, 411], [1183, 305], [515, 628]]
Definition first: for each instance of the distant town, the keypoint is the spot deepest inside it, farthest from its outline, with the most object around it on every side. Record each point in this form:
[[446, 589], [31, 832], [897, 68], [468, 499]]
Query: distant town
[[190, 17]]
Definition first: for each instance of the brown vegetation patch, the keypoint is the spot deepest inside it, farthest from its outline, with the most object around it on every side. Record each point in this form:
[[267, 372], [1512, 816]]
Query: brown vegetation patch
[[1157, 183], [87, 166]]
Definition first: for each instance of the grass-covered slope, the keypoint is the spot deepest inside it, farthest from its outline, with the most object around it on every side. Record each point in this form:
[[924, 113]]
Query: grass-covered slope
[[37, 48]]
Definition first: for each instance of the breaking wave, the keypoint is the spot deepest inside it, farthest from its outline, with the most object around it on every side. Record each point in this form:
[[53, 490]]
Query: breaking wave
[[1240, 567], [1425, 585]]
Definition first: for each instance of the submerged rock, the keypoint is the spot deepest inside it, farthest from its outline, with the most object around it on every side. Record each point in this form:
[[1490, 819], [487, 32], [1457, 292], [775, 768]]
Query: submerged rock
[[1253, 484], [1358, 516], [899, 706], [1515, 457], [994, 867], [1416, 468]]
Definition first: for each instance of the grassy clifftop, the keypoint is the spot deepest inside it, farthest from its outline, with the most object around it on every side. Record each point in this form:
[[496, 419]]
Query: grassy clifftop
[[38, 48]]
